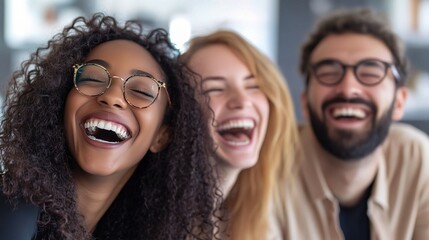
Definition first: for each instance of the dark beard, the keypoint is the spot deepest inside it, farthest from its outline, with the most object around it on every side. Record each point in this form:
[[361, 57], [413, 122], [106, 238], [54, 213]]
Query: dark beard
[[345, 146]]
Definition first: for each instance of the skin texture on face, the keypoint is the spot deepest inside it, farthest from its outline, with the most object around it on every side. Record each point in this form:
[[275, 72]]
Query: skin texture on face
[[349, 119], [143, 126], [239, 107]]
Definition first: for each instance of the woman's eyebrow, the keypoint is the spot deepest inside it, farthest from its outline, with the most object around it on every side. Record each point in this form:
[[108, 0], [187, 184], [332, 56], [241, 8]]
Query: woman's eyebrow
[[219, 78], [213, 78], [107, 65], [100, 62], [249, 77], [138, 71]]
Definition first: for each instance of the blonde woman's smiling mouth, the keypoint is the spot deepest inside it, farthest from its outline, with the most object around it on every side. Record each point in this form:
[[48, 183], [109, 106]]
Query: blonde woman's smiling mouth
[[236, 132]]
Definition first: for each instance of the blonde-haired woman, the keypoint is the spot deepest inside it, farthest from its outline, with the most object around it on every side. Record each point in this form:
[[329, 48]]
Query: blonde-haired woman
[[253, 127]]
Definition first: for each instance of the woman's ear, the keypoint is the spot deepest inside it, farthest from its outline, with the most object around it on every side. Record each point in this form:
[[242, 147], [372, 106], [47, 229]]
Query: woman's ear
[[161, 140]]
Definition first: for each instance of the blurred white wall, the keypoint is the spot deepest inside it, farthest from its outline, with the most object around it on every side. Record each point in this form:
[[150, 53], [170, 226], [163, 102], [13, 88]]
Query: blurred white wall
[[256, 20], [29, 23]]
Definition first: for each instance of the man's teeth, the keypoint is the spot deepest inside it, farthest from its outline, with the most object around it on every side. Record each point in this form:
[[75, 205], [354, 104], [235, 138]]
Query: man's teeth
[[120, 130], [245, 124], [349, 112]]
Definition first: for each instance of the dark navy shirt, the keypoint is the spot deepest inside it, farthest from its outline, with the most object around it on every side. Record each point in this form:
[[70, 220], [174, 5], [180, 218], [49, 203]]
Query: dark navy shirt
[[354, 220], [17, 222]]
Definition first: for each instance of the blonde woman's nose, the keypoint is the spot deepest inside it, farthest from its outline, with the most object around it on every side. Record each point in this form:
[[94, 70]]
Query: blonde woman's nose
[[239, 98]]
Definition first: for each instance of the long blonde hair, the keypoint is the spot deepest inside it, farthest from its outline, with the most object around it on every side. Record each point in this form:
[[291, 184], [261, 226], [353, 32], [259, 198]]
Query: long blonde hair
[[248, 203]]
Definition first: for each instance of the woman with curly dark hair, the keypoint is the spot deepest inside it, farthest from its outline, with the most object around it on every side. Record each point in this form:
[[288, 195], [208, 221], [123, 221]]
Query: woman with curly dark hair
[[102, 133]]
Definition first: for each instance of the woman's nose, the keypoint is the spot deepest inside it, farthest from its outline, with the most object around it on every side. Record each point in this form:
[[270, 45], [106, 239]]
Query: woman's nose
[[239, 98], [114, 95]]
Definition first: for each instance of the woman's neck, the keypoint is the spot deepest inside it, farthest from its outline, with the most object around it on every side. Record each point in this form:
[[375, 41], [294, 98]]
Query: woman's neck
[[95, 194], [227, 178]]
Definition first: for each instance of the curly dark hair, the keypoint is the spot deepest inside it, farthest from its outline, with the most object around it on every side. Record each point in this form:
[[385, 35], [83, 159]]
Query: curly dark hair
[[356, 20], [171, 193]]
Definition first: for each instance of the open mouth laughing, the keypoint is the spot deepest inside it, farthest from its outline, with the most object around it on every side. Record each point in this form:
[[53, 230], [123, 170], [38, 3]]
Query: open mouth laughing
[[348, 113], [106, 131], [236, 132]]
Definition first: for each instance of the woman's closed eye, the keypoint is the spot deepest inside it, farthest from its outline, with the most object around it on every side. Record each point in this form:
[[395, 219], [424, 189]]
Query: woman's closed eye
[[213, 90], [252, 87], [142, 94], [255, 86], [213, 87], [89, 82], [251, 83]]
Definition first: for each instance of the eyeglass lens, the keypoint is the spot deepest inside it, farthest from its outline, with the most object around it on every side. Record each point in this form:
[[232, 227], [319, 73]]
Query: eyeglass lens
[[368, 72], [93, 80]]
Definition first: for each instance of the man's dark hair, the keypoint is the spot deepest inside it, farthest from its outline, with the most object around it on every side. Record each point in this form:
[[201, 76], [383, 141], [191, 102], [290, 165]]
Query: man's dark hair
[[361, 21]]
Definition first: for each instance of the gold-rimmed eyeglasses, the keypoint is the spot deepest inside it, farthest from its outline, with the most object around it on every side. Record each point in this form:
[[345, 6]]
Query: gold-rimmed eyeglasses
[[139, 90]]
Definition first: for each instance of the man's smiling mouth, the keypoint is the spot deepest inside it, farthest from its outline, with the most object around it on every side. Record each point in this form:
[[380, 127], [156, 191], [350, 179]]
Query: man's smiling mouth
[[348, 112]]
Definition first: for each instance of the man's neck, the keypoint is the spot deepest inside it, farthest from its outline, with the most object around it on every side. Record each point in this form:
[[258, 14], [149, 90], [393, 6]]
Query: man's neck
[[348, 180]]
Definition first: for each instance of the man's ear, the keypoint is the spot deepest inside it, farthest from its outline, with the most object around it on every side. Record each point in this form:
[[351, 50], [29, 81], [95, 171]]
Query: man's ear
[[304, 104], [399, 105], [161, 140]]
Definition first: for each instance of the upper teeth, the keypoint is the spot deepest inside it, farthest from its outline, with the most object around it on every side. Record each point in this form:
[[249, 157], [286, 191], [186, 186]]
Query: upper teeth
[[244, 123], [120, 130], [349, 112]]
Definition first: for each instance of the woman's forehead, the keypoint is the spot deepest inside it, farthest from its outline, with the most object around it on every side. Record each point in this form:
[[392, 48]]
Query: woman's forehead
[[123, 56]]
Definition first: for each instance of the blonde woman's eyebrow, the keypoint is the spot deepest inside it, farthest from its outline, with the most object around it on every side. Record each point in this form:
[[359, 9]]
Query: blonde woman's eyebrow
[[214, 78], [220, 78]]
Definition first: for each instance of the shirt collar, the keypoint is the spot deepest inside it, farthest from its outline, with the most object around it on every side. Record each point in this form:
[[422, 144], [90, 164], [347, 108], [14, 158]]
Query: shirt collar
[[316, 183], [311, 169], [379, 193]]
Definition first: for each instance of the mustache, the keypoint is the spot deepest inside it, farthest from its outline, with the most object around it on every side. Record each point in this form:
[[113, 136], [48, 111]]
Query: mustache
[[341, 99]]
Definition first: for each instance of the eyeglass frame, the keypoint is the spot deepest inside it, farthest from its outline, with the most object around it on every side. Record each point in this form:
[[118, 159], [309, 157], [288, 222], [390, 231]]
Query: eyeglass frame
[[159, 83], [395, 72], [3, 168]]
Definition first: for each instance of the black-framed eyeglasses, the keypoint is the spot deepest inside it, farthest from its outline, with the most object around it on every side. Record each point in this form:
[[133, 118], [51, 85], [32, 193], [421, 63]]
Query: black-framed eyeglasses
[[368, 72], [139, 90]]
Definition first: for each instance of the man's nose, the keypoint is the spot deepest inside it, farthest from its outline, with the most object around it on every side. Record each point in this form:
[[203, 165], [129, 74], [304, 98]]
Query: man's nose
[[349, 86]]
